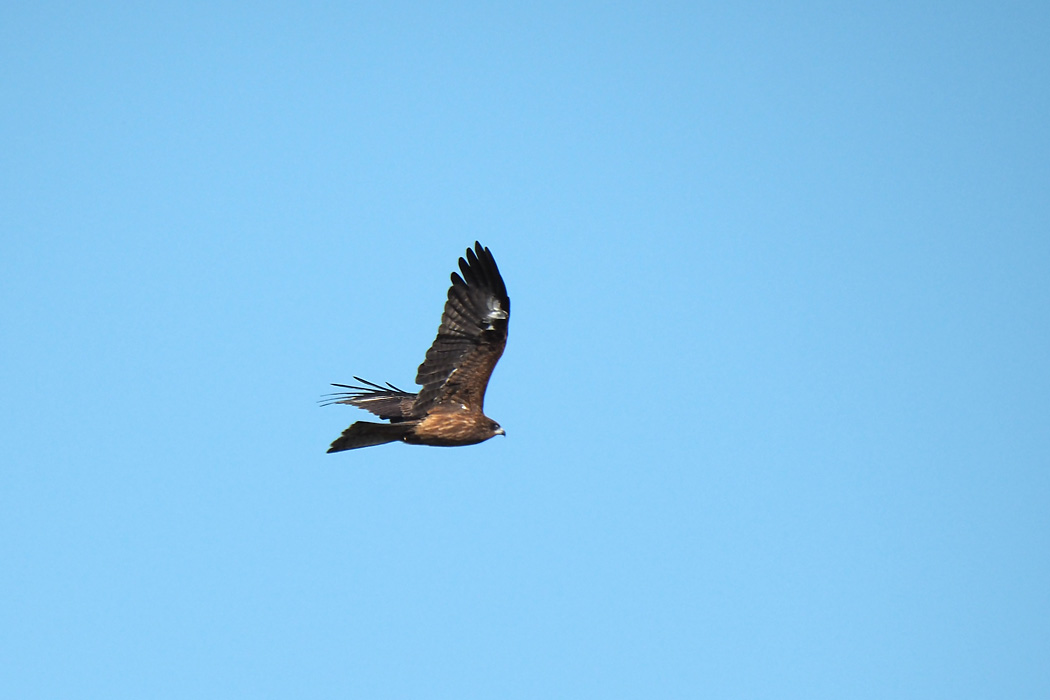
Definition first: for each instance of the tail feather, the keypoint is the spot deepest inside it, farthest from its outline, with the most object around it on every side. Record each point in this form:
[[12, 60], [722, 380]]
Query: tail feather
[[364, 434]]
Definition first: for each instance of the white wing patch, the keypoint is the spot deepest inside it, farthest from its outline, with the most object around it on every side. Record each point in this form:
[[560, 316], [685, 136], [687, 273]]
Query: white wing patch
[[495, 313]]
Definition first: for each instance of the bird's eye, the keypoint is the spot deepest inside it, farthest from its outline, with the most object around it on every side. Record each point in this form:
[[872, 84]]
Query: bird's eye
[[495, 426]]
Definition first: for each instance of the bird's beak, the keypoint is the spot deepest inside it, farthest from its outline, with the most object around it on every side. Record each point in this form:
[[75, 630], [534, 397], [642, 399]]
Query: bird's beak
[[500, 431]]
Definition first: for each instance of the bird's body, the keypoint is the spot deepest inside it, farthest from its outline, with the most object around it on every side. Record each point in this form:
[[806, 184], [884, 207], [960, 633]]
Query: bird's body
[[447, 411]]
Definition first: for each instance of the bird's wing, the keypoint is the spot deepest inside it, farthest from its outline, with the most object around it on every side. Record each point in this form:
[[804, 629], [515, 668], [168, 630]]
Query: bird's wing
[[471, 337], [387, 402]]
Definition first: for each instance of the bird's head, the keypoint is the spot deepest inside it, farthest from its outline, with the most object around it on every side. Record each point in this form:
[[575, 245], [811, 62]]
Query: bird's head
[[496, 429]]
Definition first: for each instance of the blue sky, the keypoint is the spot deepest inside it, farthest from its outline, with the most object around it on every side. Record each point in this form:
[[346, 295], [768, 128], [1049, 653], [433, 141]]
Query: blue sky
[[776, 391]]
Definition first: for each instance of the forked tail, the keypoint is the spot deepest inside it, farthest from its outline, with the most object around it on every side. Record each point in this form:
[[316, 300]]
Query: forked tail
[[364, 434]]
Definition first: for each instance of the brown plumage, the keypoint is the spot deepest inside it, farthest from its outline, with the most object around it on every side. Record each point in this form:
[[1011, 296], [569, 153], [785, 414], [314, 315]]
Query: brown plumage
[[447, 411]]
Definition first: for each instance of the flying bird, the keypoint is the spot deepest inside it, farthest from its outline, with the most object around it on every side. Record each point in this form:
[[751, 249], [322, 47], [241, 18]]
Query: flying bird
[[447, 411]]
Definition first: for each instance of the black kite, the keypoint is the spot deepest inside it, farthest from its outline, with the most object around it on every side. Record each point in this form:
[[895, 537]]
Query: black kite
[[447, 411]]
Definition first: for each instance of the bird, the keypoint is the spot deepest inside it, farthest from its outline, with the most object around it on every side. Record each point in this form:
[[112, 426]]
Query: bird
[[447, 410]]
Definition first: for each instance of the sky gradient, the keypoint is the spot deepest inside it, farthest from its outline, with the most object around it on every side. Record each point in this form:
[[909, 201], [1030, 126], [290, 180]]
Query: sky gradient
[[776, 392]]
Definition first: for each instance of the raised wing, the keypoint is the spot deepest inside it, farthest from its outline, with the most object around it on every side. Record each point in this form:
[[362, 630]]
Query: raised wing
[[471, 337]]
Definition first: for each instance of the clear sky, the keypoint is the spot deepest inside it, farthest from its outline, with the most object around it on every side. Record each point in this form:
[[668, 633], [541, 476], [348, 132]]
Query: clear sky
[[777, 390]]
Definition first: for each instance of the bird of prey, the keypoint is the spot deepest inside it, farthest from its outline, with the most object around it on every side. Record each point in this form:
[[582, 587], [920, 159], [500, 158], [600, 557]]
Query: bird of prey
[[447, 411]]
